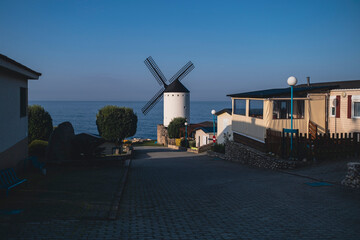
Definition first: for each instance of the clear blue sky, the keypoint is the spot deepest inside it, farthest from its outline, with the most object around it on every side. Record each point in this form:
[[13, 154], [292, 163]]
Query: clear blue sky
[[94, 50]]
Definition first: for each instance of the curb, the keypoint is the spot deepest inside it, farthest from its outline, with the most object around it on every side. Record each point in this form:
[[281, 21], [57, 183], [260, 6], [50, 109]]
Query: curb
[[114, 209]]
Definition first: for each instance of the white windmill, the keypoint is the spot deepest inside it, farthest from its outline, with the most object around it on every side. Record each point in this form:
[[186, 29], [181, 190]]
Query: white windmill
[[176, 95]]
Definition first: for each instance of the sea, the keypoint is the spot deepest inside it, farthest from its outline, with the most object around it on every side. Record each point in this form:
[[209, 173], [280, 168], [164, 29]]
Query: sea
[[82, 114]]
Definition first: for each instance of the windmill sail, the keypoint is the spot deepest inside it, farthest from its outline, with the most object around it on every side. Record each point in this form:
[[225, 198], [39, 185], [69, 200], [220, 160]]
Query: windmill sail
[[185, 70], [153, 101], [155, 70], [160, 78]]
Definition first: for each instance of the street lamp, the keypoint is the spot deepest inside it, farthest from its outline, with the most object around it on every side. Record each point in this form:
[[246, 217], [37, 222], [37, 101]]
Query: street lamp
[[186, 124], [213, 113], [291, 82]]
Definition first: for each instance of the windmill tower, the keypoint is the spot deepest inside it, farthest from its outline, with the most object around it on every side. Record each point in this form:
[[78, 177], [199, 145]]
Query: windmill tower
[[176, 95]]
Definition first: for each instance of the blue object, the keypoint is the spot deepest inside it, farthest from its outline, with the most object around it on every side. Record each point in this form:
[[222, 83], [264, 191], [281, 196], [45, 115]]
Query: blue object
[[8, 179], [318, 184], [214, 126], [291, 140], [10, 212]]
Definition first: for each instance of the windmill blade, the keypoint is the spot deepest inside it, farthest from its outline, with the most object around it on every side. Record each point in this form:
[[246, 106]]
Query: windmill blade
[[155, 70], [185, 70], [153, 101]]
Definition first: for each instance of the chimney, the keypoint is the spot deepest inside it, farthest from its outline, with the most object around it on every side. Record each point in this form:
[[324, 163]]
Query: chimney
[[308, 81]]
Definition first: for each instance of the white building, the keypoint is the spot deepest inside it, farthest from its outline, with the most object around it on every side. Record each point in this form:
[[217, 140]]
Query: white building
[[224, 119], [204, 135], [176, 102], [13, 111]]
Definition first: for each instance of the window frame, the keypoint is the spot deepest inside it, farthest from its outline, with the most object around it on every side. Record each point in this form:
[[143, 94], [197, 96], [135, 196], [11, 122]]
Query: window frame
[[288, 109], [331, 99], [234, 110], [262, 115], [354, 98], [23, 102]]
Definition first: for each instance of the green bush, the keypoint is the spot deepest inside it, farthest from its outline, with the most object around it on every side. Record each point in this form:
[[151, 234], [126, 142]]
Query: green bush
[[220, 148], [174, 127], [184, 143], [192, 143], [116, 123], [38, 148], [40, 123]]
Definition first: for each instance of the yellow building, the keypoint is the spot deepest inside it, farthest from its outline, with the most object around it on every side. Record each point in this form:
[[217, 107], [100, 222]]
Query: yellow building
[[333, 107]]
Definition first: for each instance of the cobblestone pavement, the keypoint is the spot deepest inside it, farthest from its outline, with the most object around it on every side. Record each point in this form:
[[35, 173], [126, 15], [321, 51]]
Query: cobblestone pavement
[[179, 195]]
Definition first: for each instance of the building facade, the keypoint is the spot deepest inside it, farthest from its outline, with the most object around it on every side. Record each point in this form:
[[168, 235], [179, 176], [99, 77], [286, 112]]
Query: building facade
[[13, 109]]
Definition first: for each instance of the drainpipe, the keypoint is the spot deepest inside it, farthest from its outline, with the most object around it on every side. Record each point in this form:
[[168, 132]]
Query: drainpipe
[[326, 113]]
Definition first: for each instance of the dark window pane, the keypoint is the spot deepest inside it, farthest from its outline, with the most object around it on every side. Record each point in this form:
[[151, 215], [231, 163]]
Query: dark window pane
[[23, 102], [356, 109], [282, 109], [256, 108], [240, 106]]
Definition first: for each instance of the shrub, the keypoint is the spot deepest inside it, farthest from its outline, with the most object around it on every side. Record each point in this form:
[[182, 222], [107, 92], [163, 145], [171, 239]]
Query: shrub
[[38, 148], [192, 143], [220, 148], [174, 127], [116, 123], [184, 143], [40, 123]]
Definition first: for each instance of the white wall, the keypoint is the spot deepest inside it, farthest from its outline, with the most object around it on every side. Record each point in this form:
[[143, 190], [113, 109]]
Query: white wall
[[203, 138], [176, 104], [224, 127], [12, 128]]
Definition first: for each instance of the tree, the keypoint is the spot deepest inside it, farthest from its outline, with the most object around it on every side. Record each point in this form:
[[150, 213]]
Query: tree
[[39, 123], [174, 127], [116, 123]]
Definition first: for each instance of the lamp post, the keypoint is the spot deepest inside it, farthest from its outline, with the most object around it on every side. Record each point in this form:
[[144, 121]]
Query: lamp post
[[213, 113], [291, 82], [186, 124]]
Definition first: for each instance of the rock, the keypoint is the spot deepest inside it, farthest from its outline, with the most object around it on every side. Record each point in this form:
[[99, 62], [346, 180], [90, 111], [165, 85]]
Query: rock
[[352, 178], [85, 145], [59, 148]]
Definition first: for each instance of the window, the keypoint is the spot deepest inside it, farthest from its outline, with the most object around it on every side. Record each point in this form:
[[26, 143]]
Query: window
[[282, 109], [240, 107], [256, 108], [356, 106], [332, 106], [23, 102]]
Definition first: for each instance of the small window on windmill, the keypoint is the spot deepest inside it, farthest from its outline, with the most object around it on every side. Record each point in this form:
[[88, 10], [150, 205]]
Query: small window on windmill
[[178, 95], [183, 95], [173, 95]]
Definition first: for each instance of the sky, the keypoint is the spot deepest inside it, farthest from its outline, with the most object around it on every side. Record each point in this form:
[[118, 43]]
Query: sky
[[95, 50]]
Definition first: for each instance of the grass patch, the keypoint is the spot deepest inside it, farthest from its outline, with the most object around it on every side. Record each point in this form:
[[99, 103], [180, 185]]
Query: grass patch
[[147, 143]]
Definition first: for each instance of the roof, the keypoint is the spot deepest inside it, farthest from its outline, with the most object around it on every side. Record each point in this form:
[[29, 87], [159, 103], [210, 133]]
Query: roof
[[207, 129], [300, 90], [176, 86], [11, 65], [225, 110], [339, 84], [283, 92]]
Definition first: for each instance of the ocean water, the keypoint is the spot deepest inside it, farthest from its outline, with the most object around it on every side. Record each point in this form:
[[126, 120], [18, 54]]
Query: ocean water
[[82, 114]]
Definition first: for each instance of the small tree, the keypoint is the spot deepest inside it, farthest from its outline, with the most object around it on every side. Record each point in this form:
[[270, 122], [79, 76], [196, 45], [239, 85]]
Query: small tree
[[40, 123], [174, 127], [116, 123]]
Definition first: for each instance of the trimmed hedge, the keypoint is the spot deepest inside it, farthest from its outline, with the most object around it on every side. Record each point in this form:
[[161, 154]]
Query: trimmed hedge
[[40, 123], [38, 148]]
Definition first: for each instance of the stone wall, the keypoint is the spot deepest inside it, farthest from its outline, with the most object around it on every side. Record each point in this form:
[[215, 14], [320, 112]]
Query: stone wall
[[162, 135], [352, 178], [238, 152]]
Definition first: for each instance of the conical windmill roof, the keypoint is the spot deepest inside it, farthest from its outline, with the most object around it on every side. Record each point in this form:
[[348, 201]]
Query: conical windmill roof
[[176, 86]]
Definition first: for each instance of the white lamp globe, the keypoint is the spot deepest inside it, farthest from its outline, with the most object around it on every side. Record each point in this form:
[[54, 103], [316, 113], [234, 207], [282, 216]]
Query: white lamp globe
[[186, 123], [292, 81], [213, 112]]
